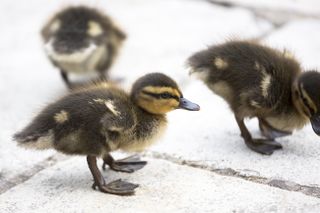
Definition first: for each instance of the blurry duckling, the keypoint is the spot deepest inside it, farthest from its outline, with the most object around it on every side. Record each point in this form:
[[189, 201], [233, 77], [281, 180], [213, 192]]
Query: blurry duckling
[[258, 81], [97, 120], [82, 40]]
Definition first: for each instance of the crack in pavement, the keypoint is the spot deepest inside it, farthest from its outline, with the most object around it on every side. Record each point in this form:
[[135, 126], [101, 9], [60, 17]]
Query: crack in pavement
[[265, 14], [276, 16], [5, 185], [313, 191]]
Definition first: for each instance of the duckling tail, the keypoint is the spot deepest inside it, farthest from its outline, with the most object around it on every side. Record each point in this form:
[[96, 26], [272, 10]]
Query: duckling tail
[[34, 140], [201, 59], [199, 65]]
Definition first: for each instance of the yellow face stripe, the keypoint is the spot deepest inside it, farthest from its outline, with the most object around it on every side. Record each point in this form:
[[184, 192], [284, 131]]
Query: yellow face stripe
[[309, 100], [55, 25], [94, 29], [158, 105], [159, 90]]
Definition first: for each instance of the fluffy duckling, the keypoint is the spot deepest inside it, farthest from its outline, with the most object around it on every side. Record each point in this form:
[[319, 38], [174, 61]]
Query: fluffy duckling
[[81, 40], [258, 81], [97, 120]]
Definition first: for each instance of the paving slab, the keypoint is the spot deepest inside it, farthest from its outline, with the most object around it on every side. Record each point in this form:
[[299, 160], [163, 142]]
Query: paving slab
[[164, 187]]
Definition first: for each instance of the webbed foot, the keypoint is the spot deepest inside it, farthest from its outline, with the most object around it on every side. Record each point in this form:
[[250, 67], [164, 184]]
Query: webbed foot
[[263, 146], [129, 164], [118, 187]]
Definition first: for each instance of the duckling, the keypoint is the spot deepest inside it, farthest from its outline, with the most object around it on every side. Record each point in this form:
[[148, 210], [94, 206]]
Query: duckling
[[81, 40], [259, 81], [97, 120]]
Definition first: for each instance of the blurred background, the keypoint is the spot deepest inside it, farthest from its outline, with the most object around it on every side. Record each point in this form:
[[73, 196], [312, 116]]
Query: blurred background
[[162, 34]]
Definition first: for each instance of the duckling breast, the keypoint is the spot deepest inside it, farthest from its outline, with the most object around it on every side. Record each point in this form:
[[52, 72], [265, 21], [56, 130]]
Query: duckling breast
[[144, 135], [81, 61], [287, 122]]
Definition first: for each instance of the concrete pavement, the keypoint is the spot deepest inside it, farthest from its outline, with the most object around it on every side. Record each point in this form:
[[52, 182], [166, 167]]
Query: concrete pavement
[[201, 164]]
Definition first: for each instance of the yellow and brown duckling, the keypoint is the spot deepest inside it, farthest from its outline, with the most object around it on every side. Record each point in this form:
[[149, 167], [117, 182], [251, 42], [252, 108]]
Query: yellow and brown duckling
[[258, 81], [97, 120], [82, 40]]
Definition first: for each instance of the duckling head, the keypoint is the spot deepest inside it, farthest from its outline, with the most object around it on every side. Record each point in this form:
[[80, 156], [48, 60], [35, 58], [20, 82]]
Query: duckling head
[[75, 33], [156, 93], [307, 97]]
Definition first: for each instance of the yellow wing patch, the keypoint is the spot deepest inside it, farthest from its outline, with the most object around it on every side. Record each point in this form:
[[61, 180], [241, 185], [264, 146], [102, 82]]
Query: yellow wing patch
[[265, 83], [99, 100], [61, 116], [220, 63], [110, 105]]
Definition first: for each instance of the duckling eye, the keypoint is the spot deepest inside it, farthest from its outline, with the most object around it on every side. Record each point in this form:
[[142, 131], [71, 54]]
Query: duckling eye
[[165, 95]]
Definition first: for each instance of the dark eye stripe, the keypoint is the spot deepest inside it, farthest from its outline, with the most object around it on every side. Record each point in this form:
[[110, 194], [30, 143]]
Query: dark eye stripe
[[306, 103], [164, 95]]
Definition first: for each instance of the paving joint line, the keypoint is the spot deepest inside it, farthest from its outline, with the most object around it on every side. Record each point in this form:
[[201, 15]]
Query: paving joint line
[[313, 191]]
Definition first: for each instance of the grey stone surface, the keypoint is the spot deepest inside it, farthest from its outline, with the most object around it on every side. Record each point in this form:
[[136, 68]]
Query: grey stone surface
[[164, 187]]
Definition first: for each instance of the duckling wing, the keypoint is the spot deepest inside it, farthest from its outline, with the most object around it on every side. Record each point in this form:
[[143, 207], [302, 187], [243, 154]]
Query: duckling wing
[[119, 117], [39, 133], [249, 76], [78, 112]]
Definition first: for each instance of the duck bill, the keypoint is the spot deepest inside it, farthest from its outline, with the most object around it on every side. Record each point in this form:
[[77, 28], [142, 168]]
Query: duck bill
[[315, 123], [188, 105]]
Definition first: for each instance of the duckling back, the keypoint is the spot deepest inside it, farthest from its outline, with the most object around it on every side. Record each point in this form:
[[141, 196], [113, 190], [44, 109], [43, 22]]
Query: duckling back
[[74, 124], [249, 76]]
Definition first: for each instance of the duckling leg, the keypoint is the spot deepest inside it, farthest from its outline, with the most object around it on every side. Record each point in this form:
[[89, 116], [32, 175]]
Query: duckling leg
[[65, 78], [129, 164], [117, 187], [104, 67], [270, 132], [263, 146], [103, 76]]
